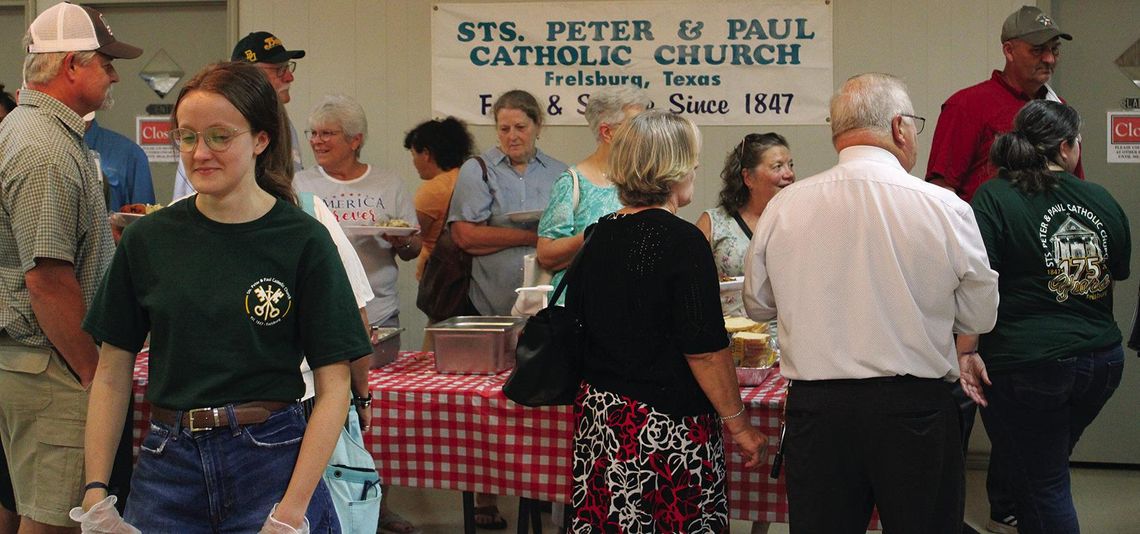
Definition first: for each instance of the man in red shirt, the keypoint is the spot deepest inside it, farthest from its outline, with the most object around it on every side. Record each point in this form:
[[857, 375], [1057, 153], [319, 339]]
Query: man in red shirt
[[974, 116], [960, 161]]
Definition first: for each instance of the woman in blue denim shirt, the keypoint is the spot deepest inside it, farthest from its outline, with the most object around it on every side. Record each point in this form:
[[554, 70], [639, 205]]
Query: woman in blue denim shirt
[[487, 218], [1054, 358]]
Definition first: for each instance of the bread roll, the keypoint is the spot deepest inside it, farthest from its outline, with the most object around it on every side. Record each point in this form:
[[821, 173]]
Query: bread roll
[[750, 349]]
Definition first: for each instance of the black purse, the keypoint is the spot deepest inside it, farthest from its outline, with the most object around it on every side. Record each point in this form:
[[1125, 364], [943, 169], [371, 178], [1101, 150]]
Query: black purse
[[548, 357]]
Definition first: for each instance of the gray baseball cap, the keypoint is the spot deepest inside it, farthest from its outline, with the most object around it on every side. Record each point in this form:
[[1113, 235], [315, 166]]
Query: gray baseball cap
[[1032, 26]]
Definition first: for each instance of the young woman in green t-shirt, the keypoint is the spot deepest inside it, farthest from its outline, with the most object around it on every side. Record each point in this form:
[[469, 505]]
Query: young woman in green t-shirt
[[232, 285]]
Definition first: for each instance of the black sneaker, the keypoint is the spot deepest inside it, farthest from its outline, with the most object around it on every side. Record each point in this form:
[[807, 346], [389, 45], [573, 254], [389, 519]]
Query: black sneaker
[[1005, 525]]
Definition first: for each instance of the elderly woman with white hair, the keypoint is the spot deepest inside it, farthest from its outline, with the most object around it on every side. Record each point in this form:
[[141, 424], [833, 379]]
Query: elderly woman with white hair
[[584, 192], [360, 195]]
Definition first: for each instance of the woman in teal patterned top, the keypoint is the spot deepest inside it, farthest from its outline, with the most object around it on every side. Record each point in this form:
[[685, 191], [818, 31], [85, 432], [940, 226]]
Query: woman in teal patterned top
[[566, 217], [756, 169]]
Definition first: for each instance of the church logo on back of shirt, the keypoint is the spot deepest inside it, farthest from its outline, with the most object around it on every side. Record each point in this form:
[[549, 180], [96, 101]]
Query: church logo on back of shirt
[[268, 302], [1075, 244]]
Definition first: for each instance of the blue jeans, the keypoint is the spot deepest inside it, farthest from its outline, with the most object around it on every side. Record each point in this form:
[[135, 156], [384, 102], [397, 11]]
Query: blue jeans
[[222, 480], [1034, 419], [1001, 502]]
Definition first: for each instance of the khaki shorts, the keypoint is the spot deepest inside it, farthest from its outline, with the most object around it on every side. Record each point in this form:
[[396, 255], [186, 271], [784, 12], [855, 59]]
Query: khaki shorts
[[43, 411]]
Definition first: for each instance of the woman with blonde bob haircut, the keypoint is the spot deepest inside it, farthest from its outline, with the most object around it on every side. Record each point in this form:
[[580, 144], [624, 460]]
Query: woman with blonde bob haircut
[[659, 385], [649, 159]]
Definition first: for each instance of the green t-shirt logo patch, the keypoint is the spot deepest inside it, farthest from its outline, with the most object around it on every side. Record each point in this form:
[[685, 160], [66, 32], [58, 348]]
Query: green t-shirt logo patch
[[267, 302]]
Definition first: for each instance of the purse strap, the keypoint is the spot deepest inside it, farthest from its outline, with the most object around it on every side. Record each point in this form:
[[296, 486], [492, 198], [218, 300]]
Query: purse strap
[[483, 166], [743, 227], [589, 232], [576, 191]]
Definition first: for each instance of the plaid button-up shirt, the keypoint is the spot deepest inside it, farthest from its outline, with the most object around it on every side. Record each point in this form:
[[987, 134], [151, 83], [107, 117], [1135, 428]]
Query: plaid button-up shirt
[[51, 206]]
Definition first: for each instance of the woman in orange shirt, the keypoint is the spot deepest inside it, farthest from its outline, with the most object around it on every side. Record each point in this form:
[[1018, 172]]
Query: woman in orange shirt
[[438, 148]]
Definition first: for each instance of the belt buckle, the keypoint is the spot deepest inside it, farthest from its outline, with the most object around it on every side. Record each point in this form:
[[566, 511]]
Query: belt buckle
[[209, 410]]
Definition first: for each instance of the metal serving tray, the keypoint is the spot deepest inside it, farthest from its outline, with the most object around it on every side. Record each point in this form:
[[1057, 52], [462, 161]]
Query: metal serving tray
[[471, 344]]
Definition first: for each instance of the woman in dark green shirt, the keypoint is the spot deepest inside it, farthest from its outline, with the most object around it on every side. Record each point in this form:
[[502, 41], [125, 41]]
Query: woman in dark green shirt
[[232, 285], [1054, 358]]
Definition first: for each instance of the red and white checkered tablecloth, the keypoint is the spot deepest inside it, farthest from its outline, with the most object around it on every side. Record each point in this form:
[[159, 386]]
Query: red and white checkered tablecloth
[[140, 419], [459, 432]]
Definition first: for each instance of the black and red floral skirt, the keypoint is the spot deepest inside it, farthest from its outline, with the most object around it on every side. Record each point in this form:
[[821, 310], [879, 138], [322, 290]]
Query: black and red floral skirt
[[638, 470]]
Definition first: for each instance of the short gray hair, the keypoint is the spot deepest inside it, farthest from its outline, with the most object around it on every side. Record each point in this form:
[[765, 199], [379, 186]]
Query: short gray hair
[[868, 102], [608, 104], [41, 68], [344, 111]]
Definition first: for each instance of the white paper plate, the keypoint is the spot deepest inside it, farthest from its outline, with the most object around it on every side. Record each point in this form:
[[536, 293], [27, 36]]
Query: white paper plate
[[121, 220], [523, 217], [380, 230], [736, 284]]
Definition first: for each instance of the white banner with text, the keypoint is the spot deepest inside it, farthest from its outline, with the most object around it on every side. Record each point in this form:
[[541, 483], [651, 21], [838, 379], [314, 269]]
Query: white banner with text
[[719, 63]]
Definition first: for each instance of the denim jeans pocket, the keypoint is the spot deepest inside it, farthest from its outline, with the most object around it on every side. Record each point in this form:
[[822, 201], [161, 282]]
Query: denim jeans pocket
[[1115, 370], [282, 429], [1046, 387], [155, 441]]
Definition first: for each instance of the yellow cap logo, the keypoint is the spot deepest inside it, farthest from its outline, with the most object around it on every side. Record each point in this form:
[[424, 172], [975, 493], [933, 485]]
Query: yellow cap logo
[[251, 56], [271, 42]]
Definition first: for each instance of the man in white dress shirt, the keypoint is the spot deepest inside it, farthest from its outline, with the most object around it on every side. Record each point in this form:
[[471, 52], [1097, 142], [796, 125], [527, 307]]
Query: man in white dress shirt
[[872, 270]]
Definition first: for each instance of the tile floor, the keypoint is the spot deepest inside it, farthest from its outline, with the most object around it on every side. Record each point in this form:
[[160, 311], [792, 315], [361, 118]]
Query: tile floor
[[1108, 502]]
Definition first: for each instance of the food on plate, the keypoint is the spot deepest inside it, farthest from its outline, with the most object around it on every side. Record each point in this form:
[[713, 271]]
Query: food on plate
[[396, 223], [140, 209], [727, 278], [752, 349], [743, 324]]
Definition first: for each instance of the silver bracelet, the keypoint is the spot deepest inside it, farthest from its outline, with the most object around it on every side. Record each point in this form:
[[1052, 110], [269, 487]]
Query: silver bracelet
[[735, 415]]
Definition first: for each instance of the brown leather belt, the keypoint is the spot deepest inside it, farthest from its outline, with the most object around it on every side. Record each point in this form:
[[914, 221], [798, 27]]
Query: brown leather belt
[[247, 413]]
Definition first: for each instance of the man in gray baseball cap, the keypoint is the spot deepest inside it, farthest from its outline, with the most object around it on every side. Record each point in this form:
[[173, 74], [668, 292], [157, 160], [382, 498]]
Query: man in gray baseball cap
[[959, 157], [959, 160]]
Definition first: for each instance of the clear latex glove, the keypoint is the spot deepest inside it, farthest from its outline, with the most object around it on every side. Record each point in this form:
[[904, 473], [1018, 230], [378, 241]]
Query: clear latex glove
[[273, 526], [102, 518]]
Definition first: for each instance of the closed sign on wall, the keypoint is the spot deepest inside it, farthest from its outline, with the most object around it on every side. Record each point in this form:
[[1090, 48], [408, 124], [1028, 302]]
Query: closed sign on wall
[[150, 134]]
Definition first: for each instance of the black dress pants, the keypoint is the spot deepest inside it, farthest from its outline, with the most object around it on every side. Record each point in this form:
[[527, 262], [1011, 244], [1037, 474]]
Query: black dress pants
[[892, 443]]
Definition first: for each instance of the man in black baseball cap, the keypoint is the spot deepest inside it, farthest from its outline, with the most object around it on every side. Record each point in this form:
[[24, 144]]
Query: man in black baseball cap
[[266, 51]]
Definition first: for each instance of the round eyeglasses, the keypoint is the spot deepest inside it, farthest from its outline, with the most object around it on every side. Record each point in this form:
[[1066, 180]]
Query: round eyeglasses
[[322, 135], [280, 68], [217, 138]]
